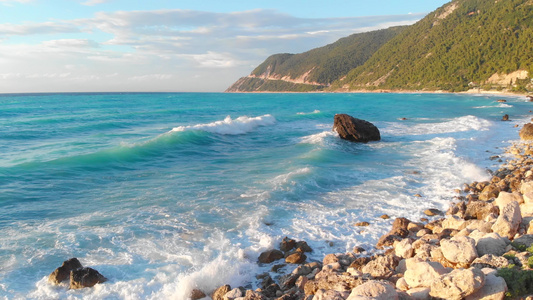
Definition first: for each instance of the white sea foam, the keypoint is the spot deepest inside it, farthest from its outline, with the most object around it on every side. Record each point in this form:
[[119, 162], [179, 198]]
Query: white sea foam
[[229, 126], [316, 111], [500, 105], [319, 138], [460, 124]]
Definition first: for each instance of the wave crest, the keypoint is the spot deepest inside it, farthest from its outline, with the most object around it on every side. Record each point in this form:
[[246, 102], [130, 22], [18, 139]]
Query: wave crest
[[229, 126]]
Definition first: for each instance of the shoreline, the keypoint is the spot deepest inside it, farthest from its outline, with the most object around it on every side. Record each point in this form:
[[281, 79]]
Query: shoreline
[[477, 248], [386, 91]]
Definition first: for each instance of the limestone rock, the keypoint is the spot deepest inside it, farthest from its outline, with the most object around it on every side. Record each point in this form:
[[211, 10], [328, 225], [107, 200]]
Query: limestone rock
[[493, 289], [479, 209], [270, 256], [458, 284], [355, 130], [330, 295], [422, 273], [404, 248], [509, 220], [197, 294], [490, 261], [62, 273], [489, 192], [374, 289], [296, 258], [460, 249], [504, 198], [526, 187], [235, 293], [526, 240], [85, 277], [454, 222], [491, 243], [220, 292], [331, 281], [526, 133], [381, 267], [421, 293]]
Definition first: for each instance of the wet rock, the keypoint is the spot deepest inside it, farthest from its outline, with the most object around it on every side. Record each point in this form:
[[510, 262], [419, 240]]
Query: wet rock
[[374, 289], [85, 277], [302, 246], [235, 293], [62, 273], [220, 292], [355, 130], [362, 224], [458, 284], [433, 212], [505, 117], [296, 258], [287, 244], [197, 294], [270, 256]]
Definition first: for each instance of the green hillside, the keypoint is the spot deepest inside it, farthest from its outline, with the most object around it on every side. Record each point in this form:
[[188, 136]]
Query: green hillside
[[457, 47], [317, 68], [465, 44]]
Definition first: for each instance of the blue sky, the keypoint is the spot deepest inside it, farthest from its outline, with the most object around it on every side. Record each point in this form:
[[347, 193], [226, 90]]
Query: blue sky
[[162, 45]]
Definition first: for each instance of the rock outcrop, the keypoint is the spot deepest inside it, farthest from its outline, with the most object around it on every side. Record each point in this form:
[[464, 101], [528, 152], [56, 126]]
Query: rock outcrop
[[85, 277], [355, 130]]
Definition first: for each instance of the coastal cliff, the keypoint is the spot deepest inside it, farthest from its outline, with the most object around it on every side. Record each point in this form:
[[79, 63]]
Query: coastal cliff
[[481, 45]]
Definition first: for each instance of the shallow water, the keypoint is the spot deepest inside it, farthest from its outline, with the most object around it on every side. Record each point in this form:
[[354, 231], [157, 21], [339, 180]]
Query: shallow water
[[163, 193]]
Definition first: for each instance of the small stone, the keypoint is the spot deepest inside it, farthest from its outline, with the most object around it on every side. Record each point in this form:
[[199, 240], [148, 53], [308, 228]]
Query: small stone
[[287, 244], [296, 258], [362, 224], [270, 256], [197, 294], [385, 217], [418, 195], [432, 212]]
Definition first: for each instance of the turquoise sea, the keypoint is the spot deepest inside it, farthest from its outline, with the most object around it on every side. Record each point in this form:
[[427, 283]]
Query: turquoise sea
[[165, 192]]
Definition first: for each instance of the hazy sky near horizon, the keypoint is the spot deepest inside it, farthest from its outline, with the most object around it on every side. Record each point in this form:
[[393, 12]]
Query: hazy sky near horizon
[[163, 45]]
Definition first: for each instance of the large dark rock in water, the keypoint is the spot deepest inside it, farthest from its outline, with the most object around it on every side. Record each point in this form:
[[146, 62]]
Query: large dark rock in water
[[62, 273], [85, 277], [355, 130]]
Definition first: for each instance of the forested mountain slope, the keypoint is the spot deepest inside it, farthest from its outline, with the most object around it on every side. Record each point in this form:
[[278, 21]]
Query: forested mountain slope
[[317, 68], [465, 44]]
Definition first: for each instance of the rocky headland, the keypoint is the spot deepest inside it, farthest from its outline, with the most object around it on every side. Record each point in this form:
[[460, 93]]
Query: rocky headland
[[481, 248]]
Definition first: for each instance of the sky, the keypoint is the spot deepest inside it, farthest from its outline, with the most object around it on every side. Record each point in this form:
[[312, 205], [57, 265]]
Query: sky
[[171, 46]]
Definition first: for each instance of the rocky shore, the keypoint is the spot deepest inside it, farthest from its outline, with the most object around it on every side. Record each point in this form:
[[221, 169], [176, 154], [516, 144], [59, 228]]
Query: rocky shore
[[481, 248]]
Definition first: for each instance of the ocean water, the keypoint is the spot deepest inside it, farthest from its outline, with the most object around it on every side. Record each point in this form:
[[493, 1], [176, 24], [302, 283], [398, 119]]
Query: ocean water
[[166, 192]]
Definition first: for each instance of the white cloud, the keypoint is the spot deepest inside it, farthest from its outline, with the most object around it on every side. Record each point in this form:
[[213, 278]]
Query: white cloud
[[162, 49], [94, 2]]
